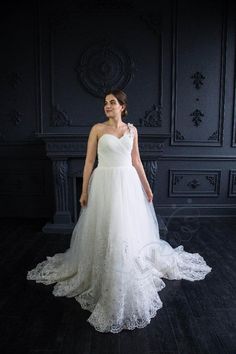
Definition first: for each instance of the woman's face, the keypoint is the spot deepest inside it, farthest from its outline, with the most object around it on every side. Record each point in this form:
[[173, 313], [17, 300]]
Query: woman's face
[[112, 107]]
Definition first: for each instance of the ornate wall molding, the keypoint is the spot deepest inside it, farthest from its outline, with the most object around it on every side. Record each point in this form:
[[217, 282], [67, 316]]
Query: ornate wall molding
[[152, 21], [15, 117], [198, 80], [214, 136], [104, 66], [194, 183], [60, 173], [210, 158], [59, 117], [152, 117], [232, 184], [197, 120], [178, 135], [72, 145], [151, 168]]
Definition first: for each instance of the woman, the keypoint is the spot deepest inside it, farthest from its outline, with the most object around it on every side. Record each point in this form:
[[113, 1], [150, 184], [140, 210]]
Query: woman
[[115, 108], [116, 258]]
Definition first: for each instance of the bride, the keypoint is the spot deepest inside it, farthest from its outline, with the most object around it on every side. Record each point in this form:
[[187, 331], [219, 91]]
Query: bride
[[116, 259]]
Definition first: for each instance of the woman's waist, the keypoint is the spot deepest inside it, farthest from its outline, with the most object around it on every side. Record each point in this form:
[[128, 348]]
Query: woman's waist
[[116, 161], [112, 165]]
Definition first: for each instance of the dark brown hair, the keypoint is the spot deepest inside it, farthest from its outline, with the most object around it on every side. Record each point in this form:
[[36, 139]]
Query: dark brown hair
[[121, 98]]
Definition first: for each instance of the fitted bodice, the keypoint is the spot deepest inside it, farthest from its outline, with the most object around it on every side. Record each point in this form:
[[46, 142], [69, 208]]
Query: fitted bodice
[[113, 151]]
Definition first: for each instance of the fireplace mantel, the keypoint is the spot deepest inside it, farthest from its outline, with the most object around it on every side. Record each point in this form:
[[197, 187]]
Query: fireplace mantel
[[67, 153]]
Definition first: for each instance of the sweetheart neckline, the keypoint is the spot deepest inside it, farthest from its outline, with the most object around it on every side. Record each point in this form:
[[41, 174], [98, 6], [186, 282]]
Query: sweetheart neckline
[[119, 138], [114, 136]]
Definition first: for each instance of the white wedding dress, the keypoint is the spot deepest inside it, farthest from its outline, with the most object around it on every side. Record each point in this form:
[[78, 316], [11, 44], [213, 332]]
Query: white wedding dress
[[116, 258]]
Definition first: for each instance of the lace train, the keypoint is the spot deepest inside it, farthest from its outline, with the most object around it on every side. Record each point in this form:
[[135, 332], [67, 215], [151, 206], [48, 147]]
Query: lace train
[[126, 304]]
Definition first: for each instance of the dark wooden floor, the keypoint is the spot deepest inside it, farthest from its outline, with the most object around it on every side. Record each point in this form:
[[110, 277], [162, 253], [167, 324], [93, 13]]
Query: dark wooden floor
[[197, 317]]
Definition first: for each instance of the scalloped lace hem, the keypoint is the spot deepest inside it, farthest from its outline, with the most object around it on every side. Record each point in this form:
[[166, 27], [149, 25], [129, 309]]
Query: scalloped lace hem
[[130, 323]]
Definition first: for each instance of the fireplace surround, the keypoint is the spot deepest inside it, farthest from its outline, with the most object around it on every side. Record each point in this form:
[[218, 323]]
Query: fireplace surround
[[67, 154]]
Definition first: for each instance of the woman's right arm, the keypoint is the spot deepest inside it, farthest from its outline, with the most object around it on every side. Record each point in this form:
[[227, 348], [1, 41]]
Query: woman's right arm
[[90, 157]]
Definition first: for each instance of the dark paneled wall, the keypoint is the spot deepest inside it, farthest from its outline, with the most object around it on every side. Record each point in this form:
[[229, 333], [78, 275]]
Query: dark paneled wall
[[26, 188], [176, 62]]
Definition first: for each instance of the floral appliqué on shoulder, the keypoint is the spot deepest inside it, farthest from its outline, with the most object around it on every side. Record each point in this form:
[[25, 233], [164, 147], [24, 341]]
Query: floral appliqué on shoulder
[[131, 129]]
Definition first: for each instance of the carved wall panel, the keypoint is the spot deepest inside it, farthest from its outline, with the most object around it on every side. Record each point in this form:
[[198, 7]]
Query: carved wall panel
[[194, 183], [198, 85]]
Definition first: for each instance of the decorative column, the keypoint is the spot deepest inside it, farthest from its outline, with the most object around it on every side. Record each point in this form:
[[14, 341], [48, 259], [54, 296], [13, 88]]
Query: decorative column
[[62, 217], [60, 173]]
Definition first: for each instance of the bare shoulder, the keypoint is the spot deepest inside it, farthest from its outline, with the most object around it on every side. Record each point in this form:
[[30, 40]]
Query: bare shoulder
[[99, 126], [95, 128]]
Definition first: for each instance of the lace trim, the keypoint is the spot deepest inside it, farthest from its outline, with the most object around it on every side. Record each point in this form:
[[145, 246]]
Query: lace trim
[[130, 323], [102, 320], [190, 266]]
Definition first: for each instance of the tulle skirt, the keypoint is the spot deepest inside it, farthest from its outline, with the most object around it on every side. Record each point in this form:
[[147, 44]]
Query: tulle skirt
[[116, 259]]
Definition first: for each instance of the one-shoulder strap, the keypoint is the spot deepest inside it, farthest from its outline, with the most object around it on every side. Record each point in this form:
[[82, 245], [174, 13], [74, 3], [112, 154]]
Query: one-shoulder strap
[[131, 129]]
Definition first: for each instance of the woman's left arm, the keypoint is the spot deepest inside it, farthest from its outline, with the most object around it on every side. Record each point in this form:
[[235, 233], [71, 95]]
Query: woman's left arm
[[137, 163]]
